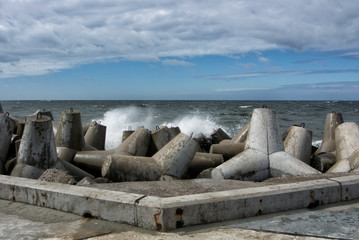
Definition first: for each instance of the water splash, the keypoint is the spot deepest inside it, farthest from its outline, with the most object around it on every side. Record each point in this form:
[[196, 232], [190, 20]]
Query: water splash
[[120, 119]]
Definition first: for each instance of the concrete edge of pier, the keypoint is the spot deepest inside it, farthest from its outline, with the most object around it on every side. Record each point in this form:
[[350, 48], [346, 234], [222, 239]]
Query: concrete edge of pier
[[168, 213]]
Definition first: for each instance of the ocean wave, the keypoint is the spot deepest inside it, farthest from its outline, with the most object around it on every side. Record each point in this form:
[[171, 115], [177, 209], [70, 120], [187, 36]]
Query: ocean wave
[[246, 106], [120, 119]]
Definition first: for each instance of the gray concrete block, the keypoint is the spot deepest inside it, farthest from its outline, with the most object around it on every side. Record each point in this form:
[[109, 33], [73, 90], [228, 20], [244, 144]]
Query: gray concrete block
[[349, 187]]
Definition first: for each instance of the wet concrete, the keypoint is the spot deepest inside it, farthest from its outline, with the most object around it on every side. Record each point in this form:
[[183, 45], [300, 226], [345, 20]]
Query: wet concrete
[[335, 221]]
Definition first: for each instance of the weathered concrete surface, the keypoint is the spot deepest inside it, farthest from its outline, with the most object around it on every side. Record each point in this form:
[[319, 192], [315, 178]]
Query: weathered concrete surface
[[324, 161], [346, 139], [66, 154], [335, 221], [284, 164], [26, 171], [69, 133], [263, 153], [43, 155], [168, 213], [218, 135], [346, 143], [178, 188], [331, 122], [160, 137], [23, 221], [122, 168], [136, 144], [241, 137], [228, 150], [175, 157], [96, 135], [248, 165], [298, 143], [6, 130], [202, 161]]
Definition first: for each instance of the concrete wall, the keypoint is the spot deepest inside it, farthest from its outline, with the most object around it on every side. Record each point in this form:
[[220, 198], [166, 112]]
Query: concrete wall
[[169, 213]]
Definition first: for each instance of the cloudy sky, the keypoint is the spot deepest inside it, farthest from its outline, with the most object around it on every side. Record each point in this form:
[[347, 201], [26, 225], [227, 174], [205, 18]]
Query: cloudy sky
[[130, 49]]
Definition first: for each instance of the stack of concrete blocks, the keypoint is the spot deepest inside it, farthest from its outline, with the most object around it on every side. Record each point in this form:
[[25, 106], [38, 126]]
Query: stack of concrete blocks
[[263, 154], [134, 145], [170, 162]]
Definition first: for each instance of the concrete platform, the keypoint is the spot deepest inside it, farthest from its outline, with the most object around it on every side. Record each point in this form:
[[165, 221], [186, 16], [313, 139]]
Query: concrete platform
[[164, 213], [333, 221]]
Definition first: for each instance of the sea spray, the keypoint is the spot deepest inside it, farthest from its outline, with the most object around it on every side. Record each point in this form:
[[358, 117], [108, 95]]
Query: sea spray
[[120, 119]]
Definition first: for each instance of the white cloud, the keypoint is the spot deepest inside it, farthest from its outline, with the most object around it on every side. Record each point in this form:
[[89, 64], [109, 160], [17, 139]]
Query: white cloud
[[276, 73], [263, 59], [41, 36], [173, 62], [241, 89]]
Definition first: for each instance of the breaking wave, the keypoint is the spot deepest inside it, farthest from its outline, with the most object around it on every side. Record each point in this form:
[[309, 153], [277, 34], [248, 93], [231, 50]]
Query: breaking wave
[[121, 119]]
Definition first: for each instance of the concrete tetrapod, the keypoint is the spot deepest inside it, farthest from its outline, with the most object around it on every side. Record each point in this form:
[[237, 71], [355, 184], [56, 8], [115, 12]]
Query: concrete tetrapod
[[250, 165], [96, 136], [298, 143], [202, 161], [175, 156], [159, 138], [324, 161], [241, 137], [66, 154], [74, 171], [354, 160], [6, 130], [331, 122], [264, 150], [26, 171], [346, 143], [228, 150], [69, 133], [127, 133], [283, 164], [122, 168], [37, 147], [174, 131], [136, 144], [172, 160], [218, 135]]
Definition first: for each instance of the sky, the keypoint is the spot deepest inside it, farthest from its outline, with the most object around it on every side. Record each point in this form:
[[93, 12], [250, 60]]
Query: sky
[[179, 50]]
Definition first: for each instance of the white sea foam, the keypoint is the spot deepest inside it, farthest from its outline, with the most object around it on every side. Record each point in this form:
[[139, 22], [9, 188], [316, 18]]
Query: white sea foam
[[120, 119], [245, 106], [317, 143], [193, 124]]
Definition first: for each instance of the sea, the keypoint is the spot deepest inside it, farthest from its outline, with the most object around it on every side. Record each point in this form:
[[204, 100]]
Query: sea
[[192, 117]]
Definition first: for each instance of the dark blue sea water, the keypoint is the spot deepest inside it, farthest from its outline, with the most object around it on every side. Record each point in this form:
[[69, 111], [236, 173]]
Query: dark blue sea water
[[190, 116]]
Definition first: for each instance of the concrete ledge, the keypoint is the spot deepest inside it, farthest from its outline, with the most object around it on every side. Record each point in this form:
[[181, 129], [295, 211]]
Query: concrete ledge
[[168, 213]]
